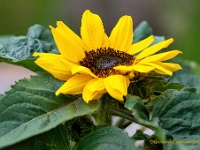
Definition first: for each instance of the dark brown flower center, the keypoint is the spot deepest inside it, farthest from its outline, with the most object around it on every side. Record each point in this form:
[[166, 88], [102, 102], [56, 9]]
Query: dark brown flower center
[[102, 61]]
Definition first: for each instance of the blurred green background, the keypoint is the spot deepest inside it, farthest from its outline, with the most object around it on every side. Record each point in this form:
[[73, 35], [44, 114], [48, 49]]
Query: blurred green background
[[172, 18]]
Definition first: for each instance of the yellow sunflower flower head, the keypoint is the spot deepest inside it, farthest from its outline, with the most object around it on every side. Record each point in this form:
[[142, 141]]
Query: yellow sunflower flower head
[[94, 63]]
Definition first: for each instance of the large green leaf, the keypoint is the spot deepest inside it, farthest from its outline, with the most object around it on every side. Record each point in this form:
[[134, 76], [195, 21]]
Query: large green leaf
[[189, 75], [31, 108], [57, 138], [179, 115], [108, 138], [142, 31], [163, 85], [1, 96], [16, 49]]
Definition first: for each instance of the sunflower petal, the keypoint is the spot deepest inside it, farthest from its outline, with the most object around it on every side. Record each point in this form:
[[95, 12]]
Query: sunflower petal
[[55, 64], [155, 48], [142, 68], [82, 69], [89, 96], [137, 47], [92, 31], [121, 36], [67, 45], [94, 89], [67, 31], [136, 67], [74, 85], [160, 68], [160, 57], [106, 42], [95, 85], [169, 66], [123, 68], [159, 71], [116, 86]]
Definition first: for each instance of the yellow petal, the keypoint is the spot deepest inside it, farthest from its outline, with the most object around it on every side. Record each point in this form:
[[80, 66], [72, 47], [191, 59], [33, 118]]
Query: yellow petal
[[67, 45], [160, 72], [137, 47], [121, 36], [67, 31], [89, 96], [74, 85], [136, 67], [170, 66], [106, 42], [123, 69], [160, 68], [55, 64], [116, 86], [155, 48], [96, 85], [94, 89], [92, 31], [160, 57], [82, 69], [142, 68]]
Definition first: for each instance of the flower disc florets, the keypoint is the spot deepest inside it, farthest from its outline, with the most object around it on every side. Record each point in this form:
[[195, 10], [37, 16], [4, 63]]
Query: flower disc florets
[[102, 61]]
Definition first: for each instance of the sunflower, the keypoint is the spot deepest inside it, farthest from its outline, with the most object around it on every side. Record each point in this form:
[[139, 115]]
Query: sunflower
[[96, 64]]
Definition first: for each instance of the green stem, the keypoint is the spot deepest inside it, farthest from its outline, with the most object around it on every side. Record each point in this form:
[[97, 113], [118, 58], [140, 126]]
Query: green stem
[[142, 122], [120, 122], [102, 117], [123, 115], [126, 124]]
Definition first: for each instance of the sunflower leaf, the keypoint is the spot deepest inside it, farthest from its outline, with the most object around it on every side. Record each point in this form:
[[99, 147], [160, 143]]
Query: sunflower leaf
[[16, 49], [142, 31], [57, 138], [1, 96], [163, 85], [31, 108], [189, 75], [106, 138], [135, 103], [139, 135], [179, 115], [28, 144]]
